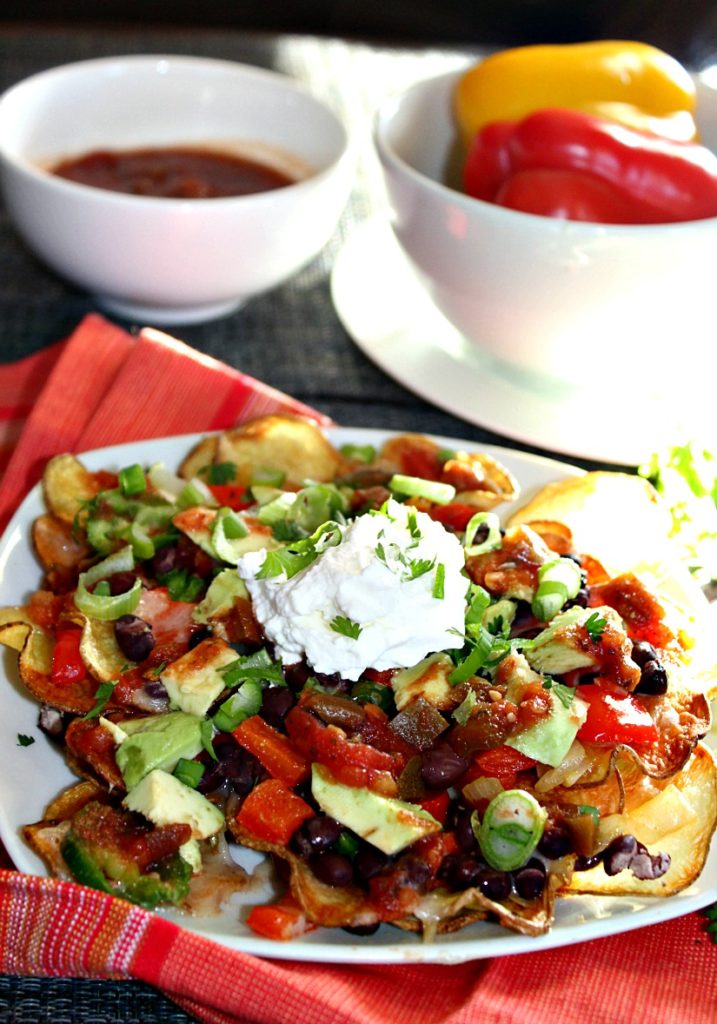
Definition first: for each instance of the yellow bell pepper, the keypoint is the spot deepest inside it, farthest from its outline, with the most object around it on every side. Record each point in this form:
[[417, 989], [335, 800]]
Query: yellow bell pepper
[[629, 82]]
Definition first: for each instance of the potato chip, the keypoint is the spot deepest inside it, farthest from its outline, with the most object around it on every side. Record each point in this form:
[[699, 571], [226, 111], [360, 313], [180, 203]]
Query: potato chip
[[289, 444], [202, 455], [100, 651], [55, 543], [66, 486]]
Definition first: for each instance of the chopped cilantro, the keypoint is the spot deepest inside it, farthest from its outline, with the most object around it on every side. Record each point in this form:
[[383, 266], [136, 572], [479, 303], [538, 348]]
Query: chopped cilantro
[[346, 627], [419, 567], [362, 452], [595, 626], [182, 585], [412, 522], [206, 731], [257, 666], [102, 695], [565, 694], [220, 472], [24, 741]]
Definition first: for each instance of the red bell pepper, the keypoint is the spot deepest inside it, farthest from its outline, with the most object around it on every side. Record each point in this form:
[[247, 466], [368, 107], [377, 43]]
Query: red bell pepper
[[272, 750], [279, 921], [231, 496], [273, 812], [614, 717], [610, 173], [502, 763], [455, 516], [67, 664]]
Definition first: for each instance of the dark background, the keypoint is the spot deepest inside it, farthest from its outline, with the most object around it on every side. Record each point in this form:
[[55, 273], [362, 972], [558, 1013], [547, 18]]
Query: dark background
[[687, 29]]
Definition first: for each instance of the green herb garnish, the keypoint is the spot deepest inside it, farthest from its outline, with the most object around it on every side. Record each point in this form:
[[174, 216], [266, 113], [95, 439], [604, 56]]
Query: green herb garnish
[[595, 625], [439, 582], [341, 624], [220, 473], [102, 695], [24, 741]]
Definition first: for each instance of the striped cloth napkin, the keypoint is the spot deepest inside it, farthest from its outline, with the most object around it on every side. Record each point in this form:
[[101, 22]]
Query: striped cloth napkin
[[103, 386]]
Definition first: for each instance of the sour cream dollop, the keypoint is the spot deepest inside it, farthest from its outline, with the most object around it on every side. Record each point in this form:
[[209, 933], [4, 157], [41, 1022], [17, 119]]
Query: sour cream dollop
[[382, 583]]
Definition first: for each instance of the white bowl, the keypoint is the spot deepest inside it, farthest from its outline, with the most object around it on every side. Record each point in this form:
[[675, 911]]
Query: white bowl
[[576, 302], [159, 259]]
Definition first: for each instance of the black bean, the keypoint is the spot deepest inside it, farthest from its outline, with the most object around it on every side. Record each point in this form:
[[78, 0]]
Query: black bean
[[442, 766], [529, 881], [165, 560], [642, 652], [315, 835], [362, 929], [461, 871], [495, 885], [586, 863], [276, 702], [134, 637], [647, 866], [618, 854], [369, 862], [233, 764], [332, 868], [462, 828], [51, 721], [412, 871], [555, 841], [653, 679], [198, 636], [121, 582]]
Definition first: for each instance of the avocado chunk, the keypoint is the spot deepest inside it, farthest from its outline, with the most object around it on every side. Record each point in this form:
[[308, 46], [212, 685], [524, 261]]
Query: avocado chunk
[[549, 740], [219, 600], [388, 824], [157, 741], [194, 681], [164, 800], [427, 679], [563, 645]]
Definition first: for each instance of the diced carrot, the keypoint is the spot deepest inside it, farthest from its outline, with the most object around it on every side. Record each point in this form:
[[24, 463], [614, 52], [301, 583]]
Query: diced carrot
[[273, 750], [273, 812]]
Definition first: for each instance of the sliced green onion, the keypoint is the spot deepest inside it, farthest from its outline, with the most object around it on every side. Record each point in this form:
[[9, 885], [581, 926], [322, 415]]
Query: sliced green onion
[[275, 509], [478, 602], [189, 772], [417, 487], [462, 713], [106, 606], [100, 533], [142, 543], [102, 589], [439, 582], [314, 505], [445, 454], [482, 645], [132, 480], [362, 452], [558, 581], [265, 476], [492, 540], [195, 493], [228, 528], [511, 829], [347, 844], [242, 704]]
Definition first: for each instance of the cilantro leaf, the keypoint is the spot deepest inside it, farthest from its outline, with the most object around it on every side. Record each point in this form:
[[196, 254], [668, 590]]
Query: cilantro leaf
[[257, 666], [341, 624], [595, 625], [24, 741], [419, 567], [220, 472], [102, 695], [565, 694]]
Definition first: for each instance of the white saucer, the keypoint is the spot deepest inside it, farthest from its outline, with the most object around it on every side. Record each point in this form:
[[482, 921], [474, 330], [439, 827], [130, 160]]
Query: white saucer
[[392, 319]]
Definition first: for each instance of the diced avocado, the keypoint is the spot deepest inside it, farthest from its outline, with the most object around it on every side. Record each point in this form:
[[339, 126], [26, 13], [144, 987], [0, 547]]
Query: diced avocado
[[549, 740], [157, 741], [164, 800], [194, 681], [117, 732], [386, 823], [515, 674], [427, 679], [224, 589], [191, 852], [562, 646]]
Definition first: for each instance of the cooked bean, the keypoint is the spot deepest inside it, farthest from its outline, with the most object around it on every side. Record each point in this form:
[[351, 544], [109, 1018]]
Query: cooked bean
[[495, 885], [529, 881], [315, 835], [121, 582], [276, 702], [461, 871], [642, 652], [332, 868], [647, 866], [362, 929], [586, 863], [555, 841], [369, 862], [459, 820], [134, 637], [653, 679], [618, 854], [442, 766]]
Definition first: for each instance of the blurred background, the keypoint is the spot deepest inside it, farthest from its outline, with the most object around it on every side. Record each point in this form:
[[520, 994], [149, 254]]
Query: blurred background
[[685, 28]]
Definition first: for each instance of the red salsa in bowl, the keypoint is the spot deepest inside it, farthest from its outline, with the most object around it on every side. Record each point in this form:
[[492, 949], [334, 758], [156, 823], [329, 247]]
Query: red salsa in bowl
[[173, 173]]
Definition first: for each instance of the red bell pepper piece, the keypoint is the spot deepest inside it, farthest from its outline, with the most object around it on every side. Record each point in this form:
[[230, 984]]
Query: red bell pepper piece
[[272, 750], [455, 516], [614, 718], [661, 180], [502, 763], [273, 812], [230, 495], [437, 806], [67, 664], [279, 921]]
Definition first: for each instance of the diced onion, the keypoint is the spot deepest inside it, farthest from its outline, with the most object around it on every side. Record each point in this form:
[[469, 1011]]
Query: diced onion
[[575, 763]]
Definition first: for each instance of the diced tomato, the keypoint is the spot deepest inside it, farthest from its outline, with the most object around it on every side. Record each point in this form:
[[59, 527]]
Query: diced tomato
[[455, 516], [272, 749], [614, 717], [231, 496], [379, 675], [422, 461], [354, 764], [641, 612], [273, 812], [502, 763], [437, 806], [280, 921], [67, 664], [44, 608]]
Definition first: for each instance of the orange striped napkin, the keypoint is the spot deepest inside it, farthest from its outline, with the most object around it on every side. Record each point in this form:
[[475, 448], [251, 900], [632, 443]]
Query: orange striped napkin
[[103, 386]]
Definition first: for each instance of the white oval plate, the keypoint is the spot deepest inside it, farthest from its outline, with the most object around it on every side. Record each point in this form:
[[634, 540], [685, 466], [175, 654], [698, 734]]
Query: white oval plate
[[31, 776]]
